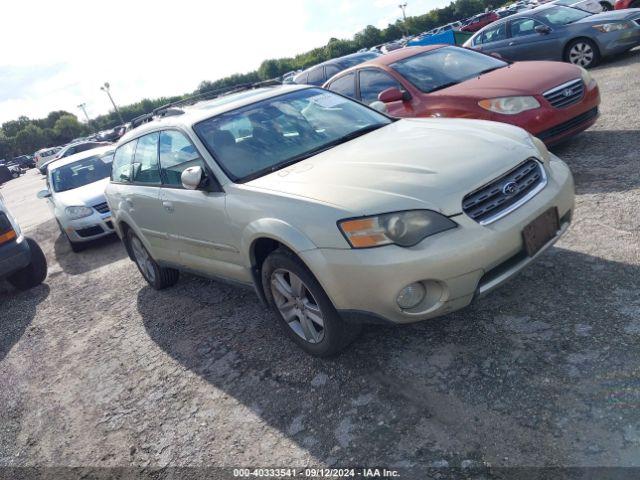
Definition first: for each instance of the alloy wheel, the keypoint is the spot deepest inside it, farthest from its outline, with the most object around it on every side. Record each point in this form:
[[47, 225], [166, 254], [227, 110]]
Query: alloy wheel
[[581, 54], [143, 259], [297, 305]]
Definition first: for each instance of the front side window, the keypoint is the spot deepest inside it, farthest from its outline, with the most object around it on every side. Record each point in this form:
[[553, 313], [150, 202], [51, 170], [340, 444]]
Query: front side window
[[81, 173], [316, 76], [176, 154], [145, 161], [122, 159], [562, 15], [345, 85], [444, 67], [493, 34], [372, 82], [523, 26], [283, 130]]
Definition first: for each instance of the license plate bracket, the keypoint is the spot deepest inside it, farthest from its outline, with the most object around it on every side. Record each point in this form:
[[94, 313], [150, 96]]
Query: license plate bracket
[[538, 233]]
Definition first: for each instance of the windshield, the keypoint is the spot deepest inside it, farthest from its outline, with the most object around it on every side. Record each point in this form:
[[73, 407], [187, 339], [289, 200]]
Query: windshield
[[562, 15], [265, 136], [81, 173], [436, 69]]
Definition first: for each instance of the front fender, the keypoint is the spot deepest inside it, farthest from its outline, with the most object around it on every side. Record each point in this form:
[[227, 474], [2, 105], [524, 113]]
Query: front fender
[[275, 229]]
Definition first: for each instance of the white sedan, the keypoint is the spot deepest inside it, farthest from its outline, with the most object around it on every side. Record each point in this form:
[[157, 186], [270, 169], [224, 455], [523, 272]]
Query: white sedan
[[75, 192]]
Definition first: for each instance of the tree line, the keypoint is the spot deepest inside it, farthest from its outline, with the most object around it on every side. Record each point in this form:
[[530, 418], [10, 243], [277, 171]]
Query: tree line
[[25, 136]]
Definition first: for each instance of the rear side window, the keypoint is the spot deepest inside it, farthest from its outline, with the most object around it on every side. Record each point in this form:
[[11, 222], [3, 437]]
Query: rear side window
[[345, 85], [176, 154], [331, 70], [145, 161], [121, 168], [372, 82]]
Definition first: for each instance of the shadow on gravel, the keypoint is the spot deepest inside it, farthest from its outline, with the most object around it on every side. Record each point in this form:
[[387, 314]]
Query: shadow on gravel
[[628, 58], [603, 160], [17, 310], [96, 254], [543, 371]]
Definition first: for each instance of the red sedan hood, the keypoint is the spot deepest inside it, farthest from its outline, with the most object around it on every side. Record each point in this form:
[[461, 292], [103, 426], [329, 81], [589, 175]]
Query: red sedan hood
[[520, 78]]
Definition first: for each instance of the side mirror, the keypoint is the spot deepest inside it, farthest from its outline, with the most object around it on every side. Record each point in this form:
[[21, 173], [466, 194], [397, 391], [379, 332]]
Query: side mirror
[[192, 178], [44, 194], [393, 94], [542, 29]]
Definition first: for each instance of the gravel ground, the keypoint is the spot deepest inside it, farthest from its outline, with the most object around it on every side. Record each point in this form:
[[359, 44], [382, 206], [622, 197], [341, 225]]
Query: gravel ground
[[97, 369]]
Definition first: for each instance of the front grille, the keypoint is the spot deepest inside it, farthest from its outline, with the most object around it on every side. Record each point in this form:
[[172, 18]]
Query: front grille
[[90, 231], [102, 207], [638, 21], [506, 193], [109, 225], [569, 124], [566, 94]]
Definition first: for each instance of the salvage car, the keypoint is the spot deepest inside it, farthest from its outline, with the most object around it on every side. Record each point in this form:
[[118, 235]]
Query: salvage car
[[75, 194], [70, 149], [551, 100], [556, 32], [333, 212], [318, 74], [22, 262]]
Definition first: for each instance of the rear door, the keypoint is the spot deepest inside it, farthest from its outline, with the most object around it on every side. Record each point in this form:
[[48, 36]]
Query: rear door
[[196, 220], [493, 40]]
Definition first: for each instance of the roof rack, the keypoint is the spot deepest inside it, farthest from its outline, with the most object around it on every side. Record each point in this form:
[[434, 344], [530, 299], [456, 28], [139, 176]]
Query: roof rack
[[172, 108]]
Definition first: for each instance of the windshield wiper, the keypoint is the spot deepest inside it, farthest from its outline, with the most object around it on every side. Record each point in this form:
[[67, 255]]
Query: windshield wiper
[[486, 70], [444, 85]]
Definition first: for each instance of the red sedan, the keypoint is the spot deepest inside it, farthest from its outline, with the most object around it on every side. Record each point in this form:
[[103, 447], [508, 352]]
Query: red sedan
[[480, 21], [551, 100], [621, 4]]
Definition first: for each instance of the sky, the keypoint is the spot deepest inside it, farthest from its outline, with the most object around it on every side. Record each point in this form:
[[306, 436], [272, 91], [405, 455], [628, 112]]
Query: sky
[[55, 55]]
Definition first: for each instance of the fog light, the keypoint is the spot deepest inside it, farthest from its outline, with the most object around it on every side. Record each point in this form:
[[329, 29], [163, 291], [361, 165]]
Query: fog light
[[410, 296]]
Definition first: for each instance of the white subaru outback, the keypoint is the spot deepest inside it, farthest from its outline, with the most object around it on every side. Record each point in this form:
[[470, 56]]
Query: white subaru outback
[[334, 212]]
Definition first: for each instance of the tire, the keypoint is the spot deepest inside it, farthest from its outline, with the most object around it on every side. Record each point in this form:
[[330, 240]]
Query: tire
[[155, 275], [582, 52], [33, 274], [310, 319]]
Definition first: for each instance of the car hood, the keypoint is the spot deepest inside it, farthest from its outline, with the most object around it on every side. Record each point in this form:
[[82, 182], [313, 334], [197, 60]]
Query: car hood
[[409, 164], [612, 16], [519, 78], [88, 195]]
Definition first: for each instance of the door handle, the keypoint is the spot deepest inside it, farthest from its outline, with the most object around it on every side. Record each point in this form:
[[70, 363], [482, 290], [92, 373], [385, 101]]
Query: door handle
[[511, 44], [168, 206]]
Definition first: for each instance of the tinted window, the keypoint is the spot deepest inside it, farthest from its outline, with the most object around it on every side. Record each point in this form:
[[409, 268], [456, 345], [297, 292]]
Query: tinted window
[[492, 34], [436, 69], [316, 76], [301, 79], [145, 161], [176, 154], [81, 173], [358, 58], [345, 85], [121, 168], [372, 82], [331, 70], [284, 130]]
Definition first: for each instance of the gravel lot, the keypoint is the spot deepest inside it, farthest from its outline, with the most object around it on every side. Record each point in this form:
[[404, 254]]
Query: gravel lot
[[98, 369]]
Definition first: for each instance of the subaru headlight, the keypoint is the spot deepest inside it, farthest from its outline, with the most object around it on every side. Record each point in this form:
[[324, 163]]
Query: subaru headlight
[[404, 229], [612, 27], [509, 105], [543, 151], [77, 212]]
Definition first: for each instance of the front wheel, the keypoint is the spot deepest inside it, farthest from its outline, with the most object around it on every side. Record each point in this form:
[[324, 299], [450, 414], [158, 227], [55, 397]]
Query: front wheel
[[158, 277], [302, 306], [583, 52], [34, 273]]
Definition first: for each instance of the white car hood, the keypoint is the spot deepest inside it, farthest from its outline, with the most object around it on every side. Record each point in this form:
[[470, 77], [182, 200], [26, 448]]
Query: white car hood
[[410, 164], [88, 195]]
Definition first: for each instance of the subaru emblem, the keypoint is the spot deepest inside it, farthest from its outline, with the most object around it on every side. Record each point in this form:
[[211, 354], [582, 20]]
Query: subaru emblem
[[510, 189]]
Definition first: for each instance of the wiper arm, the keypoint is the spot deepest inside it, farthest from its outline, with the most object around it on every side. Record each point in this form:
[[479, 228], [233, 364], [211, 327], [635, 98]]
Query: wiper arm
[[444, 85]]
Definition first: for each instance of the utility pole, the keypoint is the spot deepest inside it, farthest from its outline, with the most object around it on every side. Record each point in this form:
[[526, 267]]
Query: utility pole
[[403, 7], [83, 107], [105, 88]]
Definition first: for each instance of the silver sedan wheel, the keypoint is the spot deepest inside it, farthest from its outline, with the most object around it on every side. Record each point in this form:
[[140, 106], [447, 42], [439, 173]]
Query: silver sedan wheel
[[143, 259], [581, 54], [297, 305]]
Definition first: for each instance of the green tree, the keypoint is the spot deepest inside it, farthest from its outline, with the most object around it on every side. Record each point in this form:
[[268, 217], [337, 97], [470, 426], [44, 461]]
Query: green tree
[[67, 127], [368, 37], [29, 139]]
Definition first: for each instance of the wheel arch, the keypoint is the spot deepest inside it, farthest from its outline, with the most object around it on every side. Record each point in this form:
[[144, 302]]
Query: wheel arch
[[565, 49]]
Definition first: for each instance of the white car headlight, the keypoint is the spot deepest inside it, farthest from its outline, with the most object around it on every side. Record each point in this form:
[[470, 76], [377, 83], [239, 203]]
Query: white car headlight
[[78, 212], [545, 156], [401, 228], [612, 27], [509, 105]]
